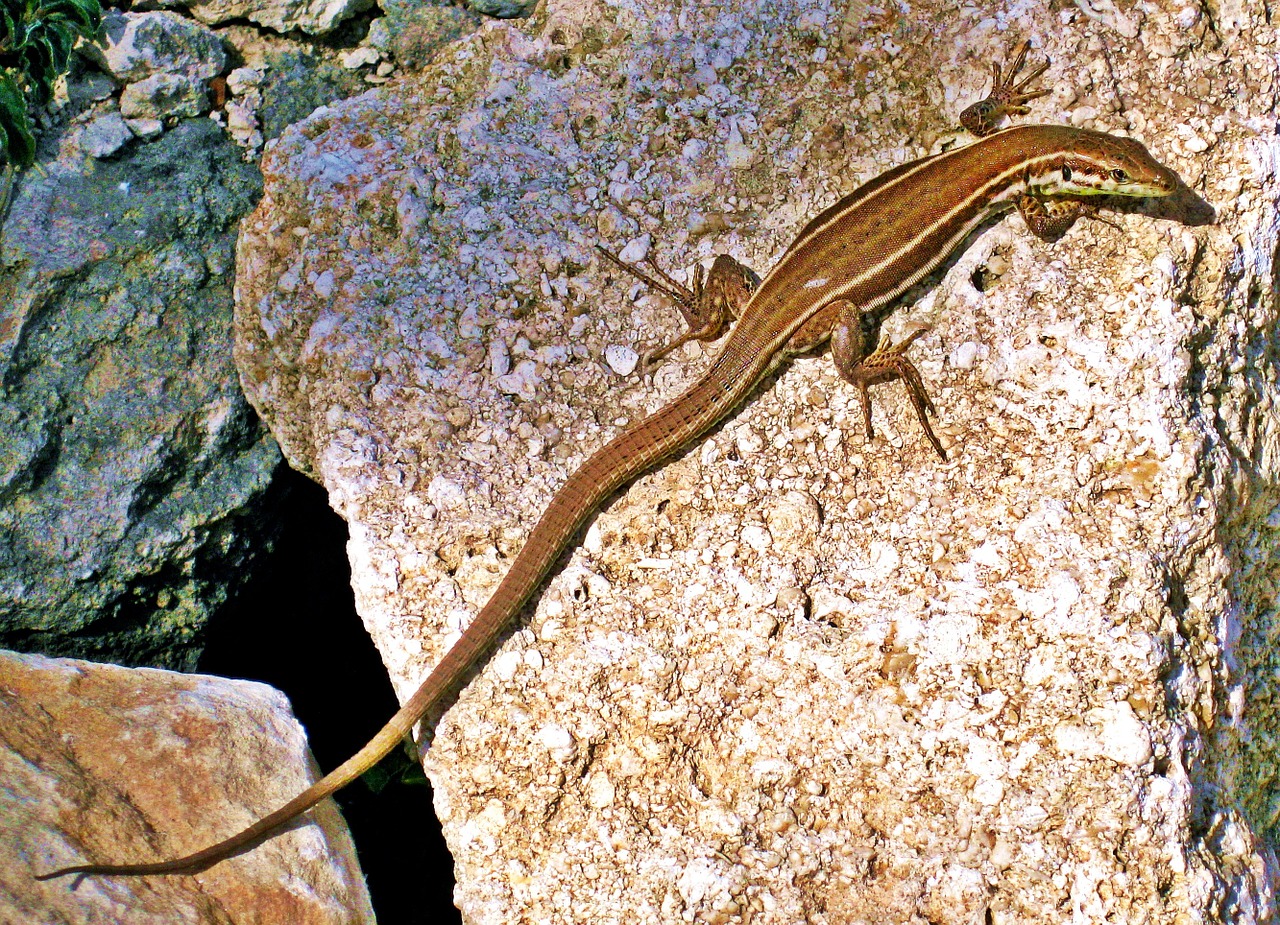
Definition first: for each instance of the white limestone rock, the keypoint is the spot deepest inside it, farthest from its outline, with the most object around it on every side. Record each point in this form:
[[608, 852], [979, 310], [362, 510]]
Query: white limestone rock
[[1012, 699], [133, 46]]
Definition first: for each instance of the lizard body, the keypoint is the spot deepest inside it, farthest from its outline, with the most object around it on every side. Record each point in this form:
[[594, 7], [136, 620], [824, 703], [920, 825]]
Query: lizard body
[[837, 281]]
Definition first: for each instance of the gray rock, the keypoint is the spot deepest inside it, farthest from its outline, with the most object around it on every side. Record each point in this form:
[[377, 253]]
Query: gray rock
[[503, 9], [89, 87], [414, 31], [162, 95], [146, 129], [380, 34], [295, 84], [130, 457], [105, 135], [137, 45], [314, 16]]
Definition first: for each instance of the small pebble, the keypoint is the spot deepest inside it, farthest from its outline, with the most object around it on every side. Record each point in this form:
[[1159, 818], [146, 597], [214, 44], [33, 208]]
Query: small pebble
[[622, 360]]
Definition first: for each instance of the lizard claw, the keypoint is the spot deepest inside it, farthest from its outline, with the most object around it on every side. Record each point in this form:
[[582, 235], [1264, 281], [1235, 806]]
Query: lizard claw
[[885, 364], [707, 307], [1008, 95]]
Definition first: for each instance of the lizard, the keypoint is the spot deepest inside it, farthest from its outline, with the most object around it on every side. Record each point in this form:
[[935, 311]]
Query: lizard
[[838, 280]]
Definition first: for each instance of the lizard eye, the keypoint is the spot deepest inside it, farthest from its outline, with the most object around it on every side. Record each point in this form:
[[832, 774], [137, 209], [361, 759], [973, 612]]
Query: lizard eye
[[1120, 176], [1066, 173]]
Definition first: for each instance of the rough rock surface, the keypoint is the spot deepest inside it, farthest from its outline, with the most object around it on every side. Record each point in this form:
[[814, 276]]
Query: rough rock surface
[[296, 83], [164, 96], [503, 9], [413, 32], [105, 763], [105, 136], [793, 676], [129, 456], [132, 46], [313, 16], [164, 61]]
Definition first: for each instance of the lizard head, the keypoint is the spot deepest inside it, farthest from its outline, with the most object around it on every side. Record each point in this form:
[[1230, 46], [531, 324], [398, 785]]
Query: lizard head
[[1097, 164]]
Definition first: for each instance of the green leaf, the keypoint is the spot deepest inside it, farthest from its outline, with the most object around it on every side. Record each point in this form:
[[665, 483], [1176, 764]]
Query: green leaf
[[41, 71], [8, 28], [36, 41], [84, 15], [61, 41], [17, 144], [376, 779], [397, 768]]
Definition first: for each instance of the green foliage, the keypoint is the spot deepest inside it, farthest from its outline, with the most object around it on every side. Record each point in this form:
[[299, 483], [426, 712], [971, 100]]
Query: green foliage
[[399, 767], [36, 38]]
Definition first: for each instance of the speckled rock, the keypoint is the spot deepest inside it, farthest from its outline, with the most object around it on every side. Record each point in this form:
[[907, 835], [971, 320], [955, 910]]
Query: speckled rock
[[133, 46], [413, 31], [295, 83], [503, 9], [793, 676], [105, 135], [317, 17], [97, 763], [131, 467], [164, 96]]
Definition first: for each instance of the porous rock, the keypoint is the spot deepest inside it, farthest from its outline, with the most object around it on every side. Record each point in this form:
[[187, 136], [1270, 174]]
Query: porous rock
[[317, 17], [163, 96], [1025, 685], [133, 46], [105, 135]]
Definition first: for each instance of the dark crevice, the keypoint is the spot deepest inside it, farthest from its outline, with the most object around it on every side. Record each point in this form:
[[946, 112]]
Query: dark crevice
[[294, 626]]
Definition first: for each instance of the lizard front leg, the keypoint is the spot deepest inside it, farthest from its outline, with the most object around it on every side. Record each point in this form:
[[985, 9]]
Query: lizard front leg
[[1008, 96], [1050, 219], [855, 335], [708, 307]]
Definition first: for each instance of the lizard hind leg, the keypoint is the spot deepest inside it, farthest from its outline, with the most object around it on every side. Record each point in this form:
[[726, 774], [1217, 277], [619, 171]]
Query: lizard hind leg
[[708, 307], [863, 362]]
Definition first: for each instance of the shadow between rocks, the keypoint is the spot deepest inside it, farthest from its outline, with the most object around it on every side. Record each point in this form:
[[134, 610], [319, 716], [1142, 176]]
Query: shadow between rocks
[[295, 627]]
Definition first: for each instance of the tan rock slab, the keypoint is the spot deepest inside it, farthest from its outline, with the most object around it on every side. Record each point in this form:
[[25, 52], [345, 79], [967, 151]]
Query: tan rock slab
[[102, 763]]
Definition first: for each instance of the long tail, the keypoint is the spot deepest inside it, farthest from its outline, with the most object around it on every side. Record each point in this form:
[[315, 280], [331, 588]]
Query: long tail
[[631, 453], [373, 752]]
